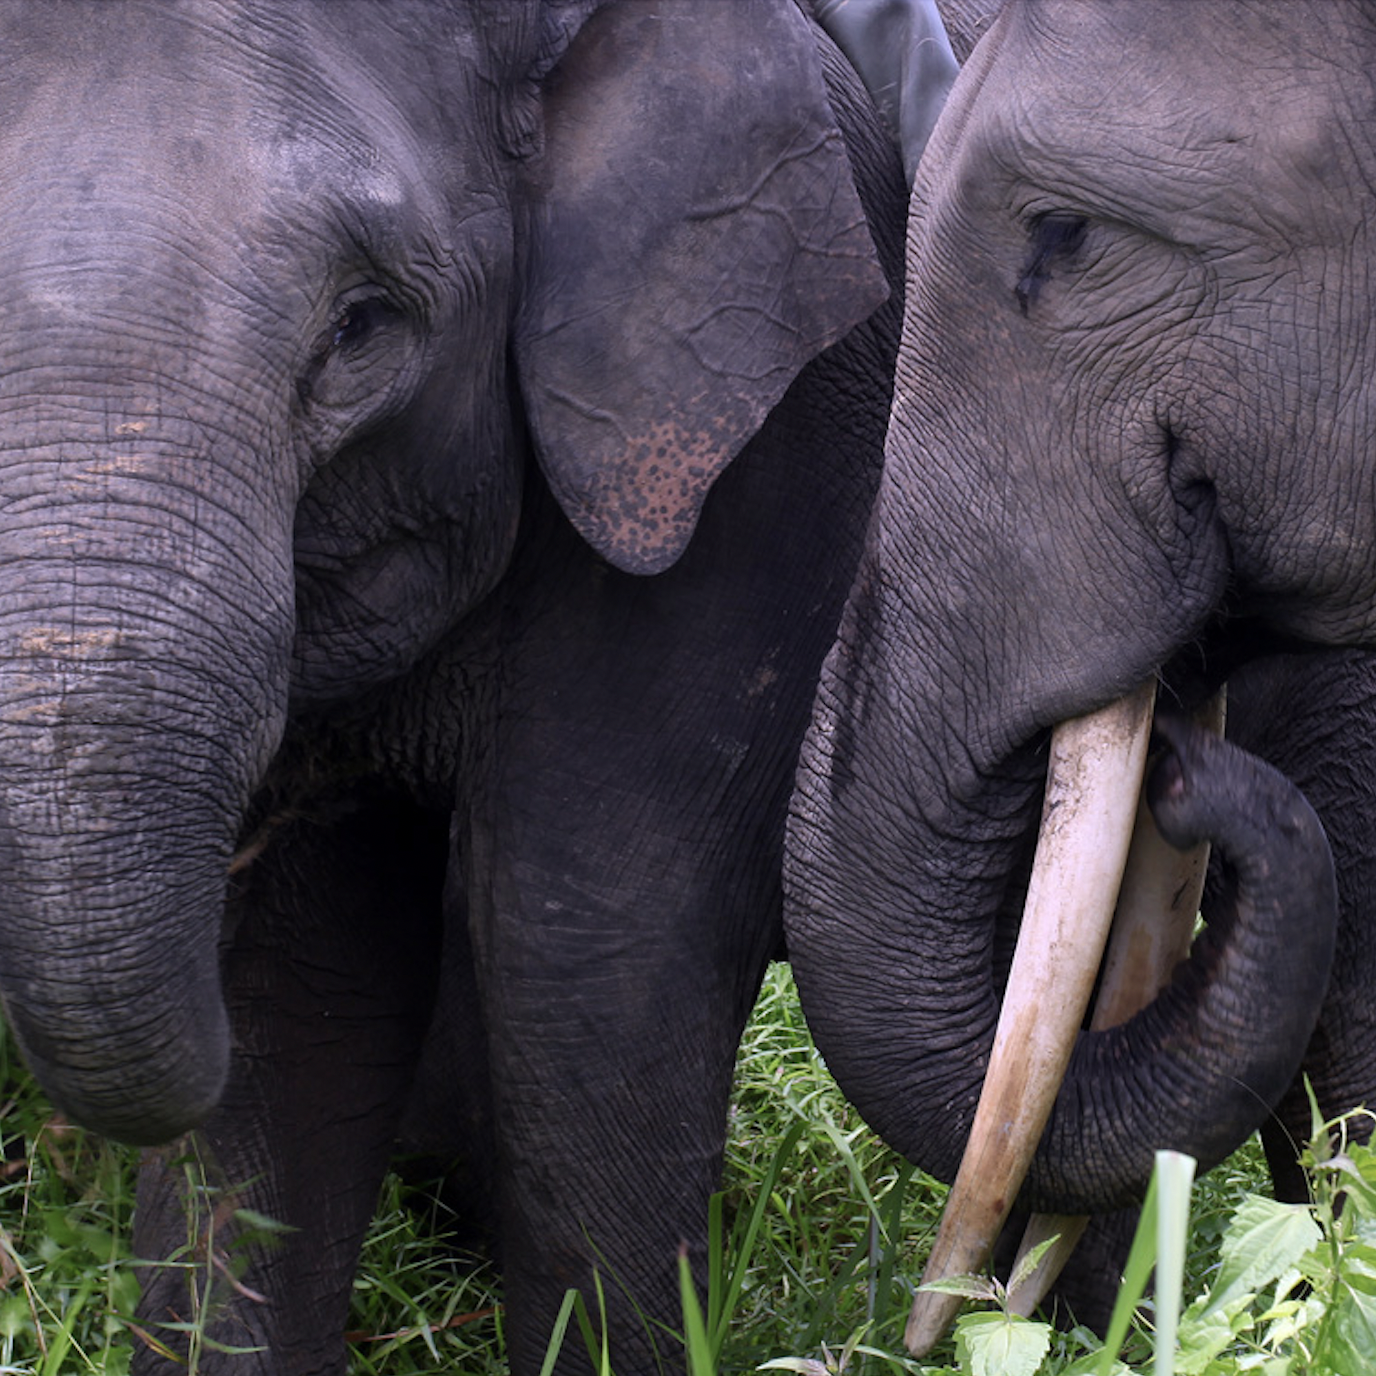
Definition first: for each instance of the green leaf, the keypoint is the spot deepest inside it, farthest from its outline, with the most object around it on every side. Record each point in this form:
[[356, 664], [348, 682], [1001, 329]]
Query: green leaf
[[571, 1300], [1319, 1145], [724, 1290], [261, 1223], [1088, 1365], [701, 1359], [967, 1287], [1351, 1335], [1356, 1181], [1000, 1344], [1263, 1241], [1029, 1262], [847, 1352], [1141, 1258], [1206, 1329]]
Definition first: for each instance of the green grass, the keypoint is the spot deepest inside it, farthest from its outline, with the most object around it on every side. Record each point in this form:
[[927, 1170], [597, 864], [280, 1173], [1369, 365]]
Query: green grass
[[821, 1233]]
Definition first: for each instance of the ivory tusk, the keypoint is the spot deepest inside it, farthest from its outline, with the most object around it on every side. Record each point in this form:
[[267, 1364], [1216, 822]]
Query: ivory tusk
[[1152, 930], [1093, 781]]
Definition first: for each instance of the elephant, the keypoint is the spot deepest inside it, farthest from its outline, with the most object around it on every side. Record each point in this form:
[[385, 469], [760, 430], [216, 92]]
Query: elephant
[[1129, 446], [437, 443]]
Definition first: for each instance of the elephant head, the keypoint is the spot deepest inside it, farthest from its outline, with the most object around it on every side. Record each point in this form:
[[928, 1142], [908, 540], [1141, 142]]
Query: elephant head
[[1131, 433], [292, 300]]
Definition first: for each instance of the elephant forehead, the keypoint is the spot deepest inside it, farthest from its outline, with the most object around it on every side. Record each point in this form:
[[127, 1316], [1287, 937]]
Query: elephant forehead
[[1108, 104], [296, 161], [132, 106]]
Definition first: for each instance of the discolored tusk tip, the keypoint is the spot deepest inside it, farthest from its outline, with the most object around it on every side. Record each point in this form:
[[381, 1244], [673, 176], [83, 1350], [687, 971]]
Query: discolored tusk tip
[[933, 1312]]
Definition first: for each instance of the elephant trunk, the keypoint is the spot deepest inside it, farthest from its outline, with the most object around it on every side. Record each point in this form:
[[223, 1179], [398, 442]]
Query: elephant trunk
[[108, 952], [1230, 1029], [140, 702], [899, 861]]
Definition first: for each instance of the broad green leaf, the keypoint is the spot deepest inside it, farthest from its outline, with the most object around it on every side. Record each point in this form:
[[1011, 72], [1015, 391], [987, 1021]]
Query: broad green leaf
[[1263, 1241], [1259, 1364], [1282, 1322], [1357, 1166], [15, 1316], [1000, 1344], [1206, 1329], [1089, 1364], [1350, 1339]]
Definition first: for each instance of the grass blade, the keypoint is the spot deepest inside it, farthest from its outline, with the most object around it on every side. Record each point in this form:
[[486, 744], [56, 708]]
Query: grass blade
[[556, 1337], [1174, 1176], [1140, 1261]]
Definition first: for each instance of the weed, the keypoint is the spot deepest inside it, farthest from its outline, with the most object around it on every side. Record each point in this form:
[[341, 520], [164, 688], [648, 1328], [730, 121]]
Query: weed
[[814, 1241]]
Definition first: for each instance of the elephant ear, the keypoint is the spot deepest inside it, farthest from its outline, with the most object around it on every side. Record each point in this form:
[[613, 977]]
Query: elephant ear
[[696, 238]]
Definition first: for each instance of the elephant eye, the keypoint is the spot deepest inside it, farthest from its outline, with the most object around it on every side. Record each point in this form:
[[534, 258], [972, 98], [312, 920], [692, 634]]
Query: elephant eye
[[353, 352], [1053, 238], [357, 321]]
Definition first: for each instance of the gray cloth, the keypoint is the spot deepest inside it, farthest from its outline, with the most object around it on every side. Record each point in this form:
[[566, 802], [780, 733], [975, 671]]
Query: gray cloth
[[900, 50]]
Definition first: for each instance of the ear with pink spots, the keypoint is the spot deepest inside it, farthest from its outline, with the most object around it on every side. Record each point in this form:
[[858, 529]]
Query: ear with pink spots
[[696, 238]]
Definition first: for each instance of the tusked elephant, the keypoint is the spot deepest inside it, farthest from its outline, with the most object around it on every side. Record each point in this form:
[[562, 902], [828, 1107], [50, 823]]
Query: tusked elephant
[[1130, 443], [362, 364]]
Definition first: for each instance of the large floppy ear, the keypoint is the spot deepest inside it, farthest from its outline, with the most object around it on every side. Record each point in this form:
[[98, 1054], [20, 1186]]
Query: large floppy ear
[[695, 239], [901, 51]]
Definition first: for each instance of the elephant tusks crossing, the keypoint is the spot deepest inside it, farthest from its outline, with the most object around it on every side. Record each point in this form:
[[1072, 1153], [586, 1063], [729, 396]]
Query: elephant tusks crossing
[[1092, 786], [1152, 930]]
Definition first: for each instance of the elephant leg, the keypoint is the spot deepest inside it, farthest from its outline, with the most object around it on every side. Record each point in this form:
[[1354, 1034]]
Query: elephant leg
[[616, 982], [329, 972], [448, 1133], [1314, 718], [624, 853], [612, 1129]]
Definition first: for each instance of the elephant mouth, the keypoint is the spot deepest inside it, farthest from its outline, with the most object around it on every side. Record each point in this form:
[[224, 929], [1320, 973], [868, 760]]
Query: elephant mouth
[[1109, 900]]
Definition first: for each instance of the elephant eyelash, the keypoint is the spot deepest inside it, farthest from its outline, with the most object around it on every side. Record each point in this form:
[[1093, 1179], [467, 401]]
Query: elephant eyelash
[[358, 320], [1053, 237], [352, 327]]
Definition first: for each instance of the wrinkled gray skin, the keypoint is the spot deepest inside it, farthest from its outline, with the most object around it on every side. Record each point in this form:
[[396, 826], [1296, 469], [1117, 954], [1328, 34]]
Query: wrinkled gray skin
[[1314, 718], [363, 360], [1130, 438]]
